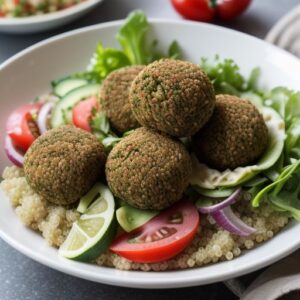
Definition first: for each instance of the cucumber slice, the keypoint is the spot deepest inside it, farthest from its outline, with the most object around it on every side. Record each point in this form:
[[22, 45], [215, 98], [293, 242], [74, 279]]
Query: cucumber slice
[[131, 218], [62, 112], [93, 232], [64, 86]]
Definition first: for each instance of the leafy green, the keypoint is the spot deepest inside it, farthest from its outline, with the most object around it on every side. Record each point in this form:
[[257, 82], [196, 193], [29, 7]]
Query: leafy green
[[132, 36], [135, 48], [277, 184], [226, 77], [286, 196], [287, 104], [174, 51], [284, 192], [106, 60], [101, 128]]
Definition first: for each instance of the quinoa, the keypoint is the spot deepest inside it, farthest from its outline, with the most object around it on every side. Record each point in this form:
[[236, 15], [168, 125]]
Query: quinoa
[[210, 245], [53, 221]]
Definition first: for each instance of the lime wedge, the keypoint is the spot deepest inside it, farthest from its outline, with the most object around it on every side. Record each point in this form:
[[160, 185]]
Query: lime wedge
[[95, 229]]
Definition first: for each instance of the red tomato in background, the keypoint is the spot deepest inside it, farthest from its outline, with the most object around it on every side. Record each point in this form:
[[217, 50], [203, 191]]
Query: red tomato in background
[[207, 10], [18, 128], [198, 10], [161, 238], [82, 113], [229, 9]]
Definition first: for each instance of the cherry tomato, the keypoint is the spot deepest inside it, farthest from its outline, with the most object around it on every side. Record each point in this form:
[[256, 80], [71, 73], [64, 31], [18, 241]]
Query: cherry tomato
[[82, 113], [229, 9], [207, 10], [161, 238], [198, 10], [18, 125]]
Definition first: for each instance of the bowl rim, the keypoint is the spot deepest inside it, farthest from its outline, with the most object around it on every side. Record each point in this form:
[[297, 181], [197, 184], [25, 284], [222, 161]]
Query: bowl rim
[[134, 278], [52, 16]]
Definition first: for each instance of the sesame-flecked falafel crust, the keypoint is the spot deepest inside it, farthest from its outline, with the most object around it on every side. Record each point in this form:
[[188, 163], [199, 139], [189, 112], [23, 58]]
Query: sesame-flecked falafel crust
[[148, 170], [63, 164], [236, 135], [172, 96], [114, 98]]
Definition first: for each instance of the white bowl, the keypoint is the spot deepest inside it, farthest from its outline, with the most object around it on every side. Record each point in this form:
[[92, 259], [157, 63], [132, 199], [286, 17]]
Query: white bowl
[[29, 73], [34, 24]]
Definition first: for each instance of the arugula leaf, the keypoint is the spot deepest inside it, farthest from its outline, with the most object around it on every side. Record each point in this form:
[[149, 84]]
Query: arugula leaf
[[277, 185]]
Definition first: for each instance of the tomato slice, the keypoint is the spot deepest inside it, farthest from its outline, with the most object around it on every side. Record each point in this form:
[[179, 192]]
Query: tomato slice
[[161, 238], [198, 10], [18, 125], [82, 113]]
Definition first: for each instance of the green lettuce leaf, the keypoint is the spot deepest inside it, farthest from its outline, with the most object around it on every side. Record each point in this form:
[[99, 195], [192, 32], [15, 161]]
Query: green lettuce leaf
[[132, 38]]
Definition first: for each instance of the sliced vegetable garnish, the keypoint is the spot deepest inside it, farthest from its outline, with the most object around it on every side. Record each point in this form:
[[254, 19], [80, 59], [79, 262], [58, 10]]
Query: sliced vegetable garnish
[[161, 238], [64, 86], [208, 178], [226, 219], [13, 155], [223, 204], [82, 113], [216, 193], [62, 112], [93, 232], [43, 115], [131, 218], [18, 125]]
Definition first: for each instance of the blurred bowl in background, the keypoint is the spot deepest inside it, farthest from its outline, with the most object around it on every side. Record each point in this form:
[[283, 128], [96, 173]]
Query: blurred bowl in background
[[34, 24]]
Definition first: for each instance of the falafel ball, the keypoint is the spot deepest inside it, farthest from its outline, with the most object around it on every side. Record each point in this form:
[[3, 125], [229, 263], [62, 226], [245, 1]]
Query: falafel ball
[[172, 96], [236, 135], [63, 164], [148, 170], [114, 98]]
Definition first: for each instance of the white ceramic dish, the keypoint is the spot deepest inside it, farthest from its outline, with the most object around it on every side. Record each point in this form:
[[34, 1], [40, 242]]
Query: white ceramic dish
[[45, 22], [286, 32], [29, 73]]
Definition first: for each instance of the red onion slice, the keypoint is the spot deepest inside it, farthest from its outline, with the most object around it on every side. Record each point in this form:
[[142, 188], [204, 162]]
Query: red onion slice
[[14, 156], [228, 201], [43, 115], [226, 219]]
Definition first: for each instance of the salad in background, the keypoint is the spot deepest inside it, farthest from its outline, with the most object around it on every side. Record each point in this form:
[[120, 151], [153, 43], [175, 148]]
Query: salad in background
[[26, 8]]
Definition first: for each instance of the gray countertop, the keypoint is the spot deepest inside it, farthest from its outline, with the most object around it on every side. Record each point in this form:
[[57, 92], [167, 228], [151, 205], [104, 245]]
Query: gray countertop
[[22, 278]]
